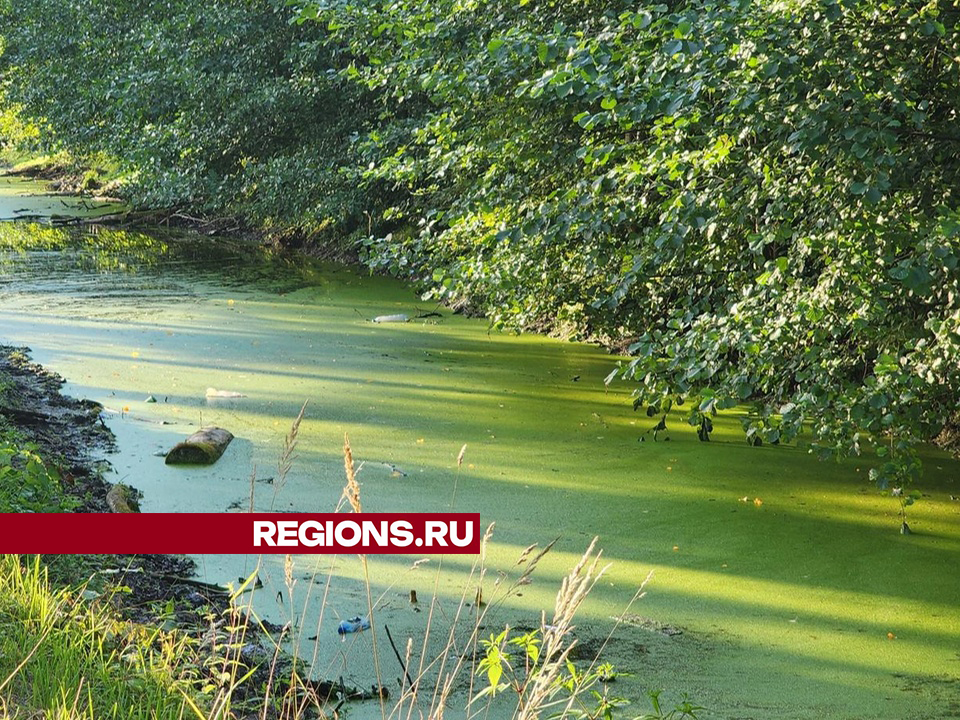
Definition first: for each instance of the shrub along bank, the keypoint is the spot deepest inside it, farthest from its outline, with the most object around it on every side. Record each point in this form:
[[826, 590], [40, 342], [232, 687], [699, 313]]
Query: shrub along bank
[[756, 200]]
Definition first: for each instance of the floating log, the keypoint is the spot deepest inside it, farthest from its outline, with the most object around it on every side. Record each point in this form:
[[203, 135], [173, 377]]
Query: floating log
[[204, 447], [123, 499], [399, 318]]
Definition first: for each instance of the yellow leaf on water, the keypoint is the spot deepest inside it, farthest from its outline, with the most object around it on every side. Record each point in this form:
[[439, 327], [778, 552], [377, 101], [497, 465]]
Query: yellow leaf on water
[[135, 354], [230, 301], [420, 441], [758, 502]]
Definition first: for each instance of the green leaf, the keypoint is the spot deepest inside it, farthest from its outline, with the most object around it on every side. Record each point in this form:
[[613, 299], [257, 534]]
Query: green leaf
[[494, 45], [543, 51], [494, 673], [673, 47]]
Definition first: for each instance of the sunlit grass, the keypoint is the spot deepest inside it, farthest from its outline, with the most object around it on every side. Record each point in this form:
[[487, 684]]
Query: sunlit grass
[[64, 658]]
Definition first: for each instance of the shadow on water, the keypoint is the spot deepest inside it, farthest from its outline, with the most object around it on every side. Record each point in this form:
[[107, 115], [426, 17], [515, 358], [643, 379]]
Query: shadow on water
[[786, 574]]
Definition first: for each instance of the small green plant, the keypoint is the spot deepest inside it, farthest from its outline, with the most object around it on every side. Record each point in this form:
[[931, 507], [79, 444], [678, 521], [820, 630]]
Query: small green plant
[[604, 702], [683, 710], [906, 500], [497, 660], [900, 469], [27, 483]]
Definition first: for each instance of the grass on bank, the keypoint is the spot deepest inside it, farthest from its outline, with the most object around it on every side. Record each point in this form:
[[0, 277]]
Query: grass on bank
[[66, 657], [62, 657], [27, 482]]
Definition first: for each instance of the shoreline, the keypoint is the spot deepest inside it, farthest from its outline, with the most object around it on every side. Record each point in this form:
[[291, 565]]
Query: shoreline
[[159, 591]]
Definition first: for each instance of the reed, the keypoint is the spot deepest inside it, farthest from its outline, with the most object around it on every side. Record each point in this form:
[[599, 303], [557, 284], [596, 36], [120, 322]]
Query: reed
[[451, 669]]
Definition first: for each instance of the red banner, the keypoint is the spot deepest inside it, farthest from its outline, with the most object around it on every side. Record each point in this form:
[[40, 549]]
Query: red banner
[[242, 533]]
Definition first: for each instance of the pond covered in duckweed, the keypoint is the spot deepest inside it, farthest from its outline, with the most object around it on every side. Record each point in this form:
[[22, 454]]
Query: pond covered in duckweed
[[781, 586]]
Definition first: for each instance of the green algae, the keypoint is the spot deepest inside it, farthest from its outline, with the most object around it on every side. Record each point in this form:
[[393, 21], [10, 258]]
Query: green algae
[[795, 594], [26, 199]]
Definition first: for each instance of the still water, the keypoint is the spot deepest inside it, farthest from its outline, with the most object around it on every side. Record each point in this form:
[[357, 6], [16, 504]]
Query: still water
[[782, 608]]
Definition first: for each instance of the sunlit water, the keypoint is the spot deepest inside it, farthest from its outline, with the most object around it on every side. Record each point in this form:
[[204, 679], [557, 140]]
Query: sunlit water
[[786, 606], [25, 199]]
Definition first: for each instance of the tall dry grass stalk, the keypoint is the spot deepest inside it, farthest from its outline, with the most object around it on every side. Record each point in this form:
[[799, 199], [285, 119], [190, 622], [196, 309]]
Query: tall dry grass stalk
[[465, 657], [556, 643], [351, 491], [456, 479], [287, 455], [434, 679]]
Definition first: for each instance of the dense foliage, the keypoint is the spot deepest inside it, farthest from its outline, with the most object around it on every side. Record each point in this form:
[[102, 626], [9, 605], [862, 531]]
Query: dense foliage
[[757, 199], [219, 107]]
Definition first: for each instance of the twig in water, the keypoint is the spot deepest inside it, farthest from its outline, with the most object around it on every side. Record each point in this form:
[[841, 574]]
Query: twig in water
[[403, 666]]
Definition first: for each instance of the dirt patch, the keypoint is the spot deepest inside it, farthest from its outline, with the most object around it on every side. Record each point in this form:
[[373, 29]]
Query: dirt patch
[[943, 690], [650, 625]]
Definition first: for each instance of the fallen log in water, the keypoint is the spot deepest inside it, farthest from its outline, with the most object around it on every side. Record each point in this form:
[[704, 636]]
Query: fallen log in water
[[204, 447]]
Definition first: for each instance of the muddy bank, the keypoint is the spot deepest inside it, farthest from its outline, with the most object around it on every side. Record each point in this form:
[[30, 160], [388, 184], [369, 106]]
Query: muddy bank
[[71, 438], [68, 432], [154, 590]]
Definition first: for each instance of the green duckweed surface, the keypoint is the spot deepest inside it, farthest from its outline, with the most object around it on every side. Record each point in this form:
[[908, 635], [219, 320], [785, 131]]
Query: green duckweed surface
[[781, 587], [27, 199]]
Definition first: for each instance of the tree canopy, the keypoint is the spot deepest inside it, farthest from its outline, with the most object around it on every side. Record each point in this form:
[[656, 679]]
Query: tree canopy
[[757, 201]]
